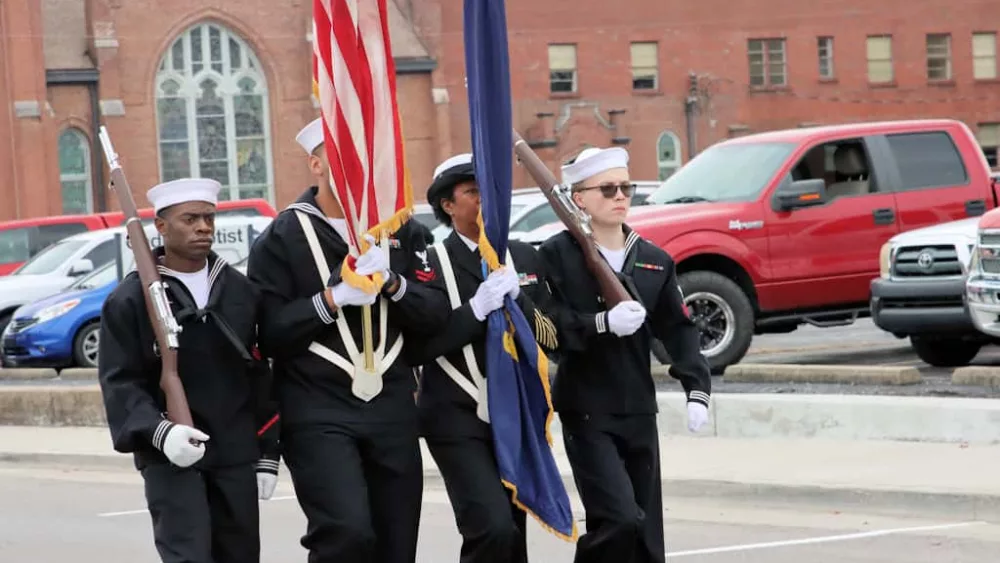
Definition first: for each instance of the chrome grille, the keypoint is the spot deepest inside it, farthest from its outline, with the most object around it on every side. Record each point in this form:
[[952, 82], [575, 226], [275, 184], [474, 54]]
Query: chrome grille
[[927, 261]]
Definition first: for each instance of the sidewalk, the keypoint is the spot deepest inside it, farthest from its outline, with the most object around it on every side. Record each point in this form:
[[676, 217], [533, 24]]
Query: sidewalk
[[896, 474]]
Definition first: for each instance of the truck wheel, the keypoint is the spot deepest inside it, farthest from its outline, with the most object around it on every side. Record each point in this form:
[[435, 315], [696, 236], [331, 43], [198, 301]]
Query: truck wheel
[[723, 315], [945, 352], [86, 345]]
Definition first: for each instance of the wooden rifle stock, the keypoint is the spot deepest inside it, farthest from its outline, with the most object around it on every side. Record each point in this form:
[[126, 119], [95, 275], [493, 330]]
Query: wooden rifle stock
[[576, 222], [160, 315]]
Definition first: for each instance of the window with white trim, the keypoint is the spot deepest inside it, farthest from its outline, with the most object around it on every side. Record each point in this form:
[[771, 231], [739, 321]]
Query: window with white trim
[[984, 56], [988, 135], [75, 173], [768, 65], [668, 154], [824, 46], [562, 68], [212, 113], [644, 66], [879, 52], [938, 56]]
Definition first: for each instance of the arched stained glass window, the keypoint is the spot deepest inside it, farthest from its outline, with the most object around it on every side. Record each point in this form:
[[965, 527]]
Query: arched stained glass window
[[668, 154], [211, 109], [74, 173]]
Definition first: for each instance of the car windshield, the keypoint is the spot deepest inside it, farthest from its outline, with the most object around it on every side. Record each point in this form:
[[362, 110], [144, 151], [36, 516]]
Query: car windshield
[[99, 278], [736, 172], [50, 259]]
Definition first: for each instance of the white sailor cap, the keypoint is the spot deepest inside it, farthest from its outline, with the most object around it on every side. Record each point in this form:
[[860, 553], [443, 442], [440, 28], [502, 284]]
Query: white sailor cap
[[453, 162], [311, 136], [592, 161], [184, 190]]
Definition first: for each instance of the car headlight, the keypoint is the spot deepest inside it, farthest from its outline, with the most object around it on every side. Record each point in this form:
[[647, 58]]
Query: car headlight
[[884, 257], [974, 260], [57, 310]]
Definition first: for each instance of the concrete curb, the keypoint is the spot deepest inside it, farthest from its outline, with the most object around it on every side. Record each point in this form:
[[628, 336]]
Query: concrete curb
[[52, 405], [977, 375], [78, 374], [799, 373], [27, 374], [870, 500]]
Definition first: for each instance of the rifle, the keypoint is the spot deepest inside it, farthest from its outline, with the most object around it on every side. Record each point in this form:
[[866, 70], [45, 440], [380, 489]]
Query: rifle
[[576, 221], [164, 324]]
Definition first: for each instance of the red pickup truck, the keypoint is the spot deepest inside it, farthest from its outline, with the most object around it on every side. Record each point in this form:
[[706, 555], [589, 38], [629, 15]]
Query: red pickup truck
[[23, 238], [773, 230]]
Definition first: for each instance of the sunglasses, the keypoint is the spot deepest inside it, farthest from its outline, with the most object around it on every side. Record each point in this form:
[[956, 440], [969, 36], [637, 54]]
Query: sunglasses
[[609, 190]]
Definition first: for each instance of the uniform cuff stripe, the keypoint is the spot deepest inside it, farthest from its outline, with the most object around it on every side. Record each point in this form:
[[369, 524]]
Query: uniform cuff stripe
[[160, 435], [602, 324], [699, 396], [399, 292], [319, 302], [267, 466]]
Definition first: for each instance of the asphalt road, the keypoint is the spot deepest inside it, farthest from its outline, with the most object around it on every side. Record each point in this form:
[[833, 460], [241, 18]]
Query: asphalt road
[[52, 515]]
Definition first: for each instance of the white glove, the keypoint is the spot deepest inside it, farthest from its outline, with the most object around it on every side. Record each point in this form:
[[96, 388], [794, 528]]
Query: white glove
[[489, 295], [178, 448], [376, 259], [345, 295], [697, 416], [265, 484], [514, 281], [626, 317]]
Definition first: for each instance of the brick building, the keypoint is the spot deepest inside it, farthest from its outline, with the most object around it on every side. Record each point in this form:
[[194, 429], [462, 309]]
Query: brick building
[[665, 77]]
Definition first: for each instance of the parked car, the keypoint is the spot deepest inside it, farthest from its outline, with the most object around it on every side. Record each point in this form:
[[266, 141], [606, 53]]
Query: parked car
[[61, 264], [776, 229], [919, 293], [24, 238], [63, 330]]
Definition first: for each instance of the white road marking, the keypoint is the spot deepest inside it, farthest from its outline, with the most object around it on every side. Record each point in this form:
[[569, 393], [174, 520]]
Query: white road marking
[[821, 539]]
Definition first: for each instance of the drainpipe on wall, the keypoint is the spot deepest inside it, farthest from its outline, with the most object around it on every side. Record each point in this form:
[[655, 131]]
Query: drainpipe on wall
[[690, 109], [87, 77]]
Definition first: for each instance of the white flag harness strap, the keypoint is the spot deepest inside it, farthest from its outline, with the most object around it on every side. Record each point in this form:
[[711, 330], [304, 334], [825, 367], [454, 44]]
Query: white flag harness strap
[[477, 387], [382, 360]]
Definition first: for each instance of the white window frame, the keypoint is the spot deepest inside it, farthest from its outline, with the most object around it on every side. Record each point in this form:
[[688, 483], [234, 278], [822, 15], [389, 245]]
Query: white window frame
[[87, 174], [824, 48], [574, 81], [228, 86], [766, 64], [678, 153], [946, 56], [869, 41], [990, 57], [645, 69]]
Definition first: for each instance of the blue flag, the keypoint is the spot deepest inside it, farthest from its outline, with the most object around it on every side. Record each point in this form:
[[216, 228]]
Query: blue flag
[[519, 397]]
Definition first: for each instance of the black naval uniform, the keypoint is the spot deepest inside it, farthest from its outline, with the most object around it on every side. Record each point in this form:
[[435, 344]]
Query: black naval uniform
[[492, 527], [355, 465], [206, 513], [606, 399]]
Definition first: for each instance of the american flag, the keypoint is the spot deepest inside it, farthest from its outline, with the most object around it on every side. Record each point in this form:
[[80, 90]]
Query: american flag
[[354, 78]]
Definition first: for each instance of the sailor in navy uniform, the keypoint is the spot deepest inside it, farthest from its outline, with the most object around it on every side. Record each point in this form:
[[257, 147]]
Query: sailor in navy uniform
[[349, 436], [604, 391], [202, 483], [453, 405]]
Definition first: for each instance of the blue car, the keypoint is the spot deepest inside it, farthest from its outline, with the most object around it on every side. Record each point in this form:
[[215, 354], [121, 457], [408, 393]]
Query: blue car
[[62, 330]]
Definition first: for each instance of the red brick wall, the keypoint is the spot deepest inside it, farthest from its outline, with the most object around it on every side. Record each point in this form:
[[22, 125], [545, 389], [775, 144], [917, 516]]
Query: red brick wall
[[710, 38], [144, 29]]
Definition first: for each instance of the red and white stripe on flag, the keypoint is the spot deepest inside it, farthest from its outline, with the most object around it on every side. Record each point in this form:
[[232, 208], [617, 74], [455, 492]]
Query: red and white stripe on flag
[[355, 78]]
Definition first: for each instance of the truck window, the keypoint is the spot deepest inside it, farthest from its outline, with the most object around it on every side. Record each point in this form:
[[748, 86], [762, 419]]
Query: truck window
[[724, 172], [928, 160], [15, 245], [843, 165]]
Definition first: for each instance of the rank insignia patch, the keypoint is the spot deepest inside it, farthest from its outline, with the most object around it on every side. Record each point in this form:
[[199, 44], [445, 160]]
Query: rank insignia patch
[[425, 275], [646, 266]]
